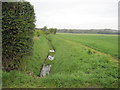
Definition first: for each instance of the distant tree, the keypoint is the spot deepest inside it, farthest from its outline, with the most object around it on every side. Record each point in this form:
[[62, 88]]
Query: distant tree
[[52, 30], [44, 28]]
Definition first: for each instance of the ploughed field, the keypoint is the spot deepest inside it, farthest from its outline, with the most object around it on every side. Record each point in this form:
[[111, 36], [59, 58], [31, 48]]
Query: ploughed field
[[81, 61]]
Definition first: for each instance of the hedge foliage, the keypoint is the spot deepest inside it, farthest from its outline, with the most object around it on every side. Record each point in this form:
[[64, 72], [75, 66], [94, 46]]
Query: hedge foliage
[[17, 32]]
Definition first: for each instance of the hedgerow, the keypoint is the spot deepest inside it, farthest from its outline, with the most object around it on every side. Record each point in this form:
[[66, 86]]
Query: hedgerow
[[17, 33]]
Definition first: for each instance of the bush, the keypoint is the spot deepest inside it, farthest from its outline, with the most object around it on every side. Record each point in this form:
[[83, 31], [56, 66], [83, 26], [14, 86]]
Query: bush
[[17, 32], [38, 33]]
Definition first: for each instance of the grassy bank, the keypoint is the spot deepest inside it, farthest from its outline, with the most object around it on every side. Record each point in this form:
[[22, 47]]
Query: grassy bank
[[40, 53]]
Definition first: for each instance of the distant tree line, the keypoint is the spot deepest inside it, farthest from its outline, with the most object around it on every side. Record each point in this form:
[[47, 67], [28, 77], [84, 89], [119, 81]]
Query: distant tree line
[[92, 31], [17, 33], [48, 31]]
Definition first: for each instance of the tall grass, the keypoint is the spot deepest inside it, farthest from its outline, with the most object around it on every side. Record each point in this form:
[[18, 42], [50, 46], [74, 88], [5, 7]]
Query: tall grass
[[40, 53]]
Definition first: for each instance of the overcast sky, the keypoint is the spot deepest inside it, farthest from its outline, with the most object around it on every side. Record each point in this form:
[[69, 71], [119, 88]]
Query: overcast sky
[[76, 14]]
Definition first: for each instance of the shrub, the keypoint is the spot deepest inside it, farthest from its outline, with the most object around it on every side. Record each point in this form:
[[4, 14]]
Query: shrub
[[17, 32], [38, 33]]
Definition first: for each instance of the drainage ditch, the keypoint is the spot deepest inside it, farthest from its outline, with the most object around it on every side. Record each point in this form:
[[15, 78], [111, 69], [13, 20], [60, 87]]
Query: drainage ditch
[[46, 67]]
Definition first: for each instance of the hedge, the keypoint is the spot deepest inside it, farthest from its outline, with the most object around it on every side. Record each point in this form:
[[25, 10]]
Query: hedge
[[17, 33]]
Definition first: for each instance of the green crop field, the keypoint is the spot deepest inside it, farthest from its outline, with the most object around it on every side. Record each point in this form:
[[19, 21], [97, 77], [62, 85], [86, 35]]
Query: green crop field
[[104, 43], [81, 61]]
